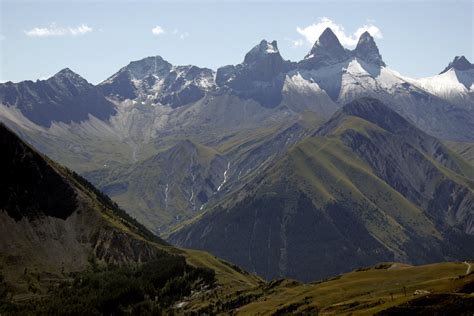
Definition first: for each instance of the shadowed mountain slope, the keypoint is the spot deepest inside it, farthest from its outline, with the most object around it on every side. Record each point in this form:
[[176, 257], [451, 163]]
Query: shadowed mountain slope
[[367, 187], [66, 97], [53, 223]]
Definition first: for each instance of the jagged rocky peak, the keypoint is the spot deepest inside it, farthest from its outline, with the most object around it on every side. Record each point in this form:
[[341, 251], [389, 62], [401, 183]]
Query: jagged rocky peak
[[459, 63], [262, 50], [260, 77], [327, 45], [262, 63], [367, 50], [154, 65], [123, 84], [328, 39], [68, 74], [327, 50]]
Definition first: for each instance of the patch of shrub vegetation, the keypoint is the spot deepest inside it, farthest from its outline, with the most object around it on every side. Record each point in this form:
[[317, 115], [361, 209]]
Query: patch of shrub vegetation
[[467, 288], [240, 300], [380, 266], [227, 305], [435, 304], [146, 289], [288, 309]]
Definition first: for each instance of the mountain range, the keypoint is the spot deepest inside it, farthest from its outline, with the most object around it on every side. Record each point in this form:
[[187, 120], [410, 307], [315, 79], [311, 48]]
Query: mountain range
[[303, 169], [67, 249]]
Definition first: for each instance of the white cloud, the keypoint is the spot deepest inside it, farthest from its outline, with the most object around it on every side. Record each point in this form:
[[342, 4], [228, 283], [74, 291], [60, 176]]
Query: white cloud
[[312, 32], [54, 30], [158, 30], [297, 43], [82, 29]]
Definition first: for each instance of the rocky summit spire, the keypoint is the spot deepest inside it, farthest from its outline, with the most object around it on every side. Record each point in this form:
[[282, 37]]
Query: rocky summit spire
[[154, 65], [327, 45], [264, 61], [260, 77], [367, 50], [459, 63], [262, 50], [326, 51], [68, 75]]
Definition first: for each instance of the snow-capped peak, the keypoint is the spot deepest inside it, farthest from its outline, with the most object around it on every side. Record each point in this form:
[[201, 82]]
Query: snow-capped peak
[[455, 83], [271, 48]]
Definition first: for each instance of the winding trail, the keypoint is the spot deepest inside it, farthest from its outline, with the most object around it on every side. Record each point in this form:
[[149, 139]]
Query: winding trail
[[468, 267]]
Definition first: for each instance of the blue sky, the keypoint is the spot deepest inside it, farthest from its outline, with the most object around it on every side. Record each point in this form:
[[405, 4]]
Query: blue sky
[[95, 39]]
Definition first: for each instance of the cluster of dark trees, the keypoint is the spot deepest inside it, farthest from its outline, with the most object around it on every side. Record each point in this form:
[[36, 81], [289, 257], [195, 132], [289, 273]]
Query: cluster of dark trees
[[146, 289]]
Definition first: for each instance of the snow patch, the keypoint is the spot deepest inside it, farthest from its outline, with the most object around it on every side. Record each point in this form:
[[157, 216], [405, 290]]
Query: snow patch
[[271, 49], [166, 195], [296, 82], [225, 177]]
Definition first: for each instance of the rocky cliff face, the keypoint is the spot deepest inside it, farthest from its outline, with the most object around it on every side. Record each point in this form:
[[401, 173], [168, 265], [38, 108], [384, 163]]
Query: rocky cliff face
[[368, 51], [459, 63], [260, 77], [325, 52]]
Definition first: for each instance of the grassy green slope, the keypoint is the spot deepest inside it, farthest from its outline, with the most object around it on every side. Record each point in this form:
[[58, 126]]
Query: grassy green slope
[[328, 171], [359, 193], [443, 287], [465, 150], [364, 292]]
